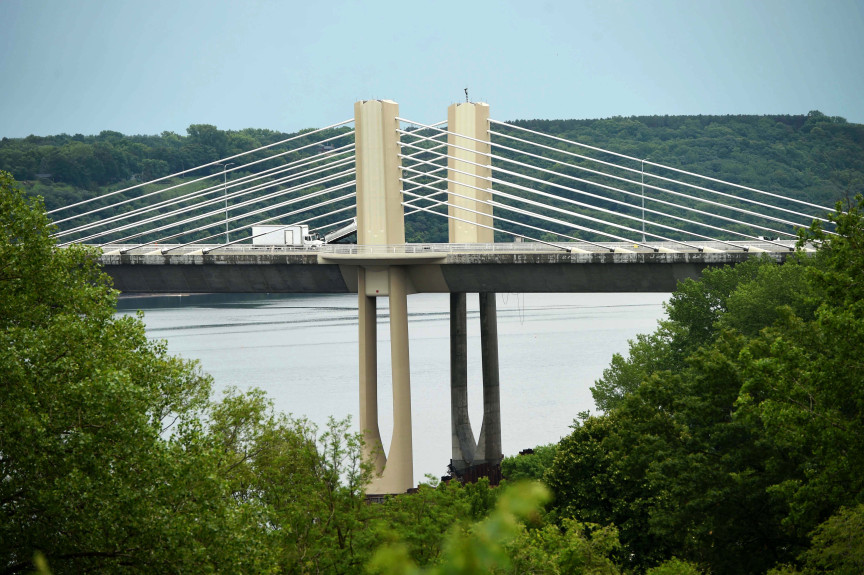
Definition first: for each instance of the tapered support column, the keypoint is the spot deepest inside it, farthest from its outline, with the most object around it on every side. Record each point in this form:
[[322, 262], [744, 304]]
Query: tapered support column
[[489, 445], [368, 339], [398, 474], [464, 445]]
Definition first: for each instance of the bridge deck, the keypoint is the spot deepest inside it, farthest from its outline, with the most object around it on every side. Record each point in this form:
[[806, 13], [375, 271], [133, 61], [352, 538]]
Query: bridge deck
[[500, 267]]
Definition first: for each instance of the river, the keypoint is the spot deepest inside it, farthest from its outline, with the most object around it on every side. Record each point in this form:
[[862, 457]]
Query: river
[[302, 350]]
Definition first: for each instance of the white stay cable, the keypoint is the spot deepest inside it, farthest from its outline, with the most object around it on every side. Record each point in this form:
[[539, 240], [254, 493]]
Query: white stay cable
[[604, 174], [612, 200], [233, 195], [597, 208], [560, 210], [203, 178], [217, 162], [285, 227], [653, 187], [514, 234], [332, 224], [420, 187], [641, 173], [662, 166], [589, 182], [222, 222], [553, 220], [333, 163], [214, 212], [438, 203], [630, 206], [270, 219], [269, 172]]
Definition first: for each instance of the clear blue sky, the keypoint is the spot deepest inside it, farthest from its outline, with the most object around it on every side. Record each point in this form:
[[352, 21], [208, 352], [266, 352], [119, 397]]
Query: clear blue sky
[[141, 67]]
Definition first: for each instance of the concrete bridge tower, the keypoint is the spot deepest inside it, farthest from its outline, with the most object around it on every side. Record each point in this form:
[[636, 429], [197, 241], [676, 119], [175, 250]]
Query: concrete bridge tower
[[471, 222], [380, 222]]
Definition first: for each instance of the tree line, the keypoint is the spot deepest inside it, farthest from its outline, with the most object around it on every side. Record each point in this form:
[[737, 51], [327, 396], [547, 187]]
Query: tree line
[[812, 157]]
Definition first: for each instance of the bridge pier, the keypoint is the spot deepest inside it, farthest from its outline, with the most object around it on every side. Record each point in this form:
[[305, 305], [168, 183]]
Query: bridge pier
[[487, 450], [368, 339], [380, 222], [399, 470], [464, 444], [468, 175], [489, 444]]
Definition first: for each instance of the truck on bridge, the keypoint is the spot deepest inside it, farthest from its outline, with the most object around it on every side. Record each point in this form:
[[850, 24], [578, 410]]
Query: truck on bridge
[[294, 236]]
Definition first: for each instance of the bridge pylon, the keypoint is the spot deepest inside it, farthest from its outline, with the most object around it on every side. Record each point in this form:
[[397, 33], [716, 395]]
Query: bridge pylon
[[470, 211], [468, 173], [380, 221]]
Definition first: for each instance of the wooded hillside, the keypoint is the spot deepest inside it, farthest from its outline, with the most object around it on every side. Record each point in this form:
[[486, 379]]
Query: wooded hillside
[[812, 157]]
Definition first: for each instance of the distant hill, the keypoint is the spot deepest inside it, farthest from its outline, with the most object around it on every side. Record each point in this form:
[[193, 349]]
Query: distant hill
[[813, 157]]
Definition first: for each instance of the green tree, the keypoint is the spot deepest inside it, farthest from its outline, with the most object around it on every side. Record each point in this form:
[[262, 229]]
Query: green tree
[[531, 466], [101, 455], [743, 432]]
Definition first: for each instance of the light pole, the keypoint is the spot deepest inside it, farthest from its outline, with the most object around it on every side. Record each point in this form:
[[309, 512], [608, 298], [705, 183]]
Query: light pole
[[225, 193], [643, 200]]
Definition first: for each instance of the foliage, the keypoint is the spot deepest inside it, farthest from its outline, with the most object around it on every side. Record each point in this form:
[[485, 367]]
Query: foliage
[[113, 456], [674, 566], [512, 539], [85, 403], [736, 429], [838, 544], [731, 440], [531, 466]]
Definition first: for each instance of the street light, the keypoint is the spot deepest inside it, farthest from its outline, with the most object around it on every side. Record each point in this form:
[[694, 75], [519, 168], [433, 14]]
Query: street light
[[225, 193], [643, 200]]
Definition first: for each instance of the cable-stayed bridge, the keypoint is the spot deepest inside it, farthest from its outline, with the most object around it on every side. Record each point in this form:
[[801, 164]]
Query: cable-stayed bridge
[[504, 209]]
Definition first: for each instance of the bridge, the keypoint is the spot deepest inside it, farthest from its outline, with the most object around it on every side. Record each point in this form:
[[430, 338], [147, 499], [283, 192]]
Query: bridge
[[523, 211]]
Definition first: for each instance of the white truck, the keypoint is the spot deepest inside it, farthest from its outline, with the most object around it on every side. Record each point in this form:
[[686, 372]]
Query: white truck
[[294, 236]]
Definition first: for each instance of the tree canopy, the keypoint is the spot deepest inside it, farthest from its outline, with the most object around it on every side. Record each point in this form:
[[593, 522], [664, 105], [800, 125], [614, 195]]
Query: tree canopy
[[731, 433]]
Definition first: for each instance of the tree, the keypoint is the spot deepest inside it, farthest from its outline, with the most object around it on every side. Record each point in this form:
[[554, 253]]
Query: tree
[[736, 429], [530, 466], [102, 459]]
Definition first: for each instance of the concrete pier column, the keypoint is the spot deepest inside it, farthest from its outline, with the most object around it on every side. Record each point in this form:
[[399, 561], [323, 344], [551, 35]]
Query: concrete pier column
[[368, 339], [398, 474], [489, 445], [464, 445]]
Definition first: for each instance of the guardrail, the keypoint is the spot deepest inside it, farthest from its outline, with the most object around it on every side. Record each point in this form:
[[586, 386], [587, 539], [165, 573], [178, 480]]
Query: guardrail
[[446, 248]]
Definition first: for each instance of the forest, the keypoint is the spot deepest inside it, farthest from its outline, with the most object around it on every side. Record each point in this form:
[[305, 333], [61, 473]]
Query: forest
[[730, 440]]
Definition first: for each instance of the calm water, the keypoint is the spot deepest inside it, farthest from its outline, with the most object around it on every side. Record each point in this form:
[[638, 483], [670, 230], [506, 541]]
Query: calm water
[[302, 350]]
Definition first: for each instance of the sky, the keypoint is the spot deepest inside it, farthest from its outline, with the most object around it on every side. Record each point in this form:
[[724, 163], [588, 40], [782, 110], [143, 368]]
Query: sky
[[148, 66]]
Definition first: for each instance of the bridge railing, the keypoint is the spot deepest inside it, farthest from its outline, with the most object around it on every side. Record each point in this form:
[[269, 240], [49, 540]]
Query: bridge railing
[[440, 248]]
